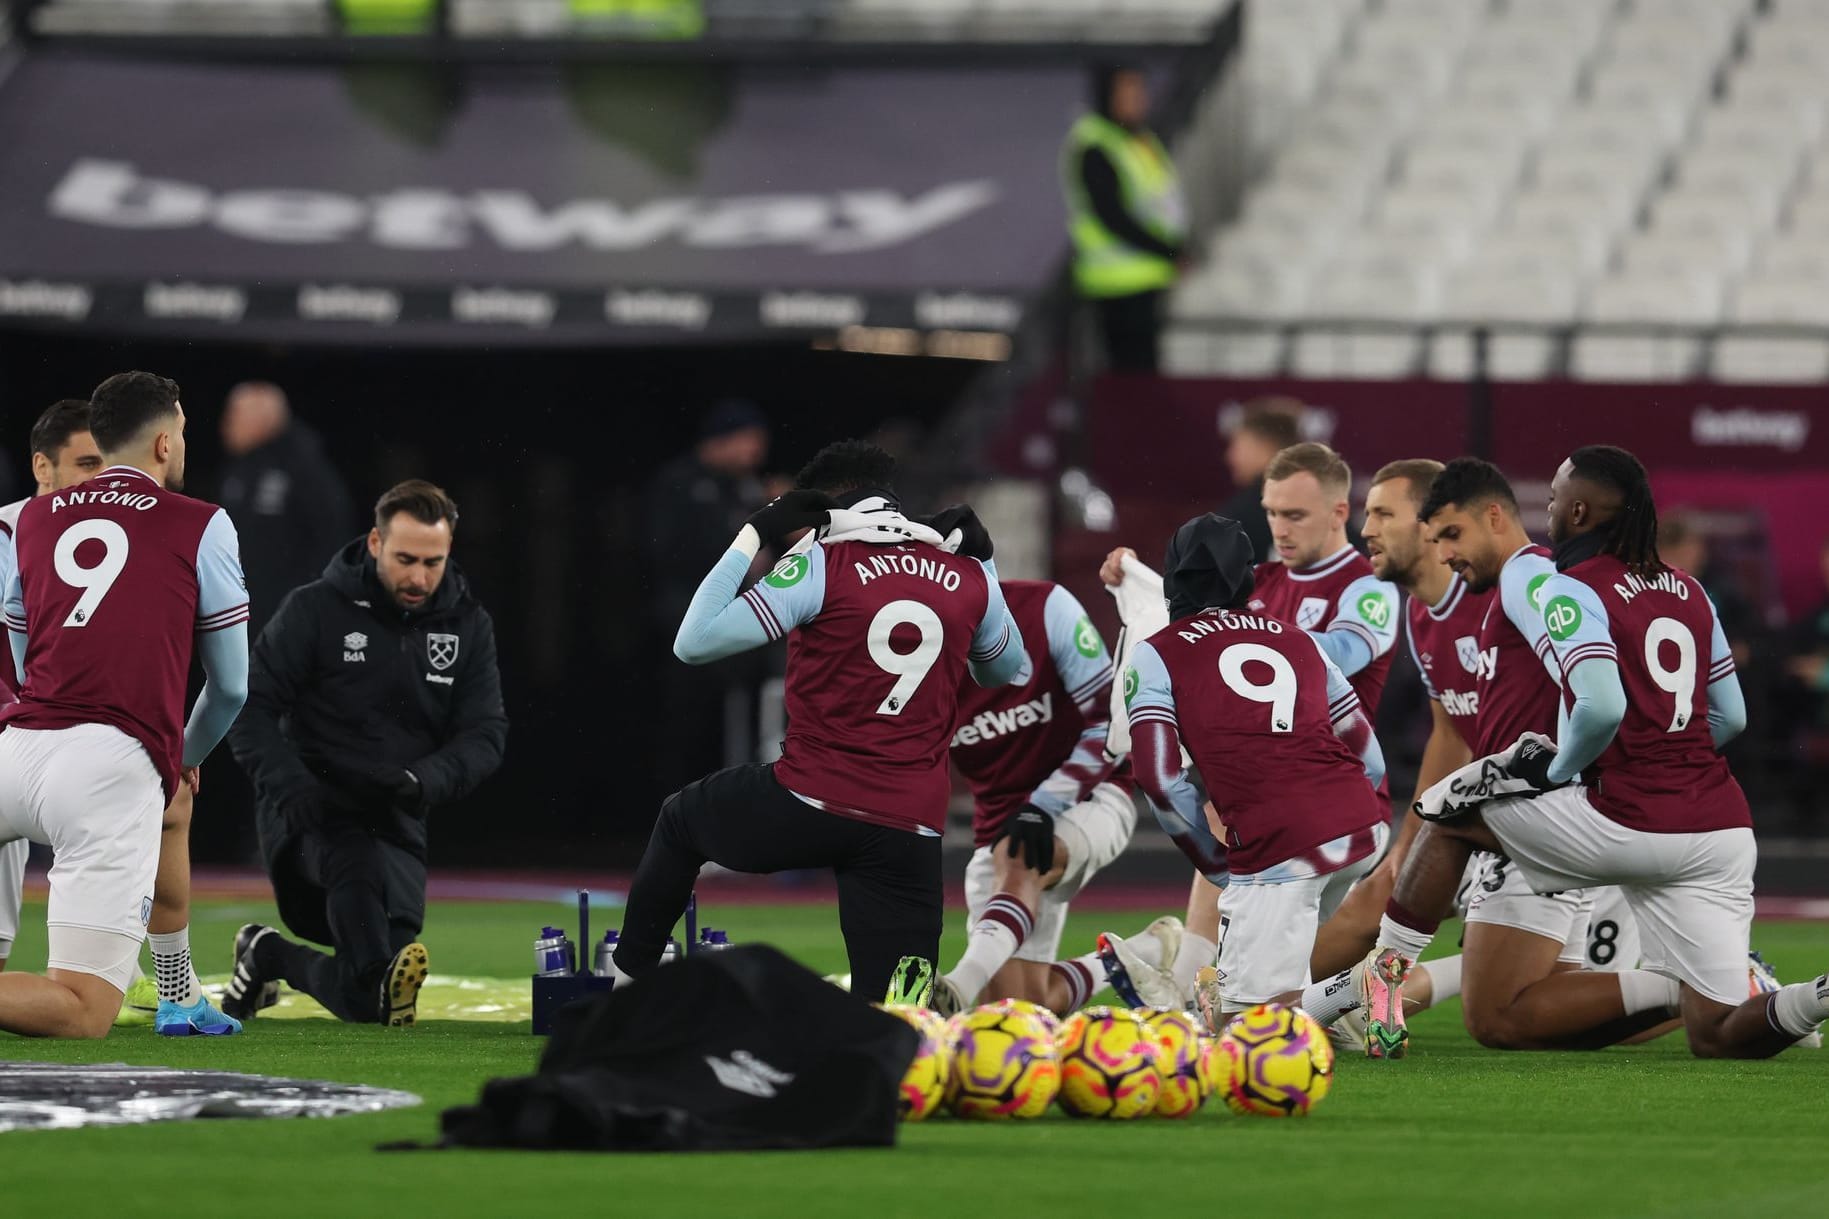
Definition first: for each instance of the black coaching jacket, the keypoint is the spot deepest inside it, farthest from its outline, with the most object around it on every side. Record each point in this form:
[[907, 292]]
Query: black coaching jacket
[[347, 691]]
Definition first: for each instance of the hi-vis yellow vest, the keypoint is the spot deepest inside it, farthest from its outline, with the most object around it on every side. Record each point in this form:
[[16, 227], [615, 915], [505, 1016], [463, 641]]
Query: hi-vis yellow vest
[[388, 16], [1103, 264], [643, 18]]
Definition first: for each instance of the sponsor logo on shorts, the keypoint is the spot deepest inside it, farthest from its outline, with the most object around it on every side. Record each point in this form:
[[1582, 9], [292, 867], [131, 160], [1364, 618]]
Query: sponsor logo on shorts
[[789, 572], [1562, 616], [145, 910]]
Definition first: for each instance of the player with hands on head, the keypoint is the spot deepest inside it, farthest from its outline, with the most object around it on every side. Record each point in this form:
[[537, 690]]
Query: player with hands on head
[[883, 625]]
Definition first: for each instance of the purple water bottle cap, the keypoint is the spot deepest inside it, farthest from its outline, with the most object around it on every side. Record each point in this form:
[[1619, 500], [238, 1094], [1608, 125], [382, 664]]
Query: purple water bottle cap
[[612, 936], [716, 937], [550, 933]]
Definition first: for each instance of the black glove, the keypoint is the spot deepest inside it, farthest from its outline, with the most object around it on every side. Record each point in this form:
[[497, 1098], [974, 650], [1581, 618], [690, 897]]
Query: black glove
[[407, 792], [974, 538], [791, 511], [1030, 833], [1530, 764]]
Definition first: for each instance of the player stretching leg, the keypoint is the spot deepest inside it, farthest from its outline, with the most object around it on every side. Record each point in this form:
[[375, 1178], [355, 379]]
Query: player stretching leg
[[63, 455], [1320, 584], [1269, 720], [1048, 812], [115, 579], [1650, 694]]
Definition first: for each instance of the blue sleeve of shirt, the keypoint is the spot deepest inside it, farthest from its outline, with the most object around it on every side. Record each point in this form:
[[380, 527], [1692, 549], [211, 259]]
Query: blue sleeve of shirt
[[997, 653], [222, 589], [1589, 725], [1726, 700], [1521, 591], [1364, 625], [719, 623], [224, 653], [1342, 704], [12, 599], [1148, 695], [1079, 651]]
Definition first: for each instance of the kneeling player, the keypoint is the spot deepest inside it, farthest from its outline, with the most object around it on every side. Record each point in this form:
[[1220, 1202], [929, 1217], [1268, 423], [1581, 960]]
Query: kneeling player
[[1048, 812], [1291, 761], [1650, 694]]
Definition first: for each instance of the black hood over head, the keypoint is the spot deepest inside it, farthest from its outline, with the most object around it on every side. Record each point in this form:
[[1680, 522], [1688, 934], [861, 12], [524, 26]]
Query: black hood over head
[[1209, 565]]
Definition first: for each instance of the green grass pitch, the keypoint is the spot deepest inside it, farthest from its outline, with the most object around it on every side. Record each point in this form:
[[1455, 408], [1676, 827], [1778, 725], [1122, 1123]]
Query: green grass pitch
[[1453, 1130]]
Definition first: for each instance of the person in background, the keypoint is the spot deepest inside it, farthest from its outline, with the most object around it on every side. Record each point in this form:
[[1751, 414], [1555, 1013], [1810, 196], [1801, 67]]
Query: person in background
[[1126, 217], [1685, 547], [287, 500], [695, 503], [1267, 427]]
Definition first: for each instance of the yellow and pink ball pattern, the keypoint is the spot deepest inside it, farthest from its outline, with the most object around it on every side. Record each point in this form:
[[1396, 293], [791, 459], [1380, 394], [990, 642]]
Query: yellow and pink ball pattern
[[924, 1083], [1004, 1065], [1277, 1062], [1180, 1047], [1108, 1064]]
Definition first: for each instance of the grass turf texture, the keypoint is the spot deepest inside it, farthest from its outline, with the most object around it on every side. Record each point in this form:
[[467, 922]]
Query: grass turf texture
[[1452, 1130]]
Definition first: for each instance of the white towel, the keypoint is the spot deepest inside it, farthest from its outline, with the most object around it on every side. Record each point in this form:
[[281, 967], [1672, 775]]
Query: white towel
[[877, 521], [1483, 779], [1143, 612]]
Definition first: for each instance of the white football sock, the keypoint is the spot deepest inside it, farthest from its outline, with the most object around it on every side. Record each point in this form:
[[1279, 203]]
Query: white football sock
[[1331, 998], [995, 937], [1407, 942], [1643, 991], [171, 964], [1085, 977], [1444, 977], [1801, 1006], [1196, 951]]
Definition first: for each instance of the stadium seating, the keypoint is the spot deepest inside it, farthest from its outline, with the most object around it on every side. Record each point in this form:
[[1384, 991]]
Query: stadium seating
[[1558, 172], [1122, 22]]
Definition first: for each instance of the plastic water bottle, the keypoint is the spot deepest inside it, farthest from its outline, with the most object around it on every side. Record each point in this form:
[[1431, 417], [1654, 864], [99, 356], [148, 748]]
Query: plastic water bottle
[[712, 940], [552, 954], [606, 947]]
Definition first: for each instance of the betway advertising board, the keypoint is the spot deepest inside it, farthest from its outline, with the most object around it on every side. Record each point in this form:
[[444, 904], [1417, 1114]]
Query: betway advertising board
[[532, 204]]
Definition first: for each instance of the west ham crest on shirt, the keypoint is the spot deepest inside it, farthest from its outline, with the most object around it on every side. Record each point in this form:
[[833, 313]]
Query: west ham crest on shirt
[[441, 650], [1311, 612], [1467, 648]]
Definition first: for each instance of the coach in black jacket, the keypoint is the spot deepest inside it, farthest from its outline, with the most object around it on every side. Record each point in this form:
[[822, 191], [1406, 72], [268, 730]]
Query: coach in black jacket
[[373, 698]]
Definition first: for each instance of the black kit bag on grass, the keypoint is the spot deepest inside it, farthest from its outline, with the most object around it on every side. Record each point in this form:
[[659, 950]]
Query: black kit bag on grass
[[734, 1050]]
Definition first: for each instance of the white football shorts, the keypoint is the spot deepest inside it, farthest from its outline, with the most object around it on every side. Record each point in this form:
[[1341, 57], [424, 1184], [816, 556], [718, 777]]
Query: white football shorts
[[1043, 943], [1613, 939], [1267, 929], [1500, 896], [12, 891], [1691, 894], [91, 794]]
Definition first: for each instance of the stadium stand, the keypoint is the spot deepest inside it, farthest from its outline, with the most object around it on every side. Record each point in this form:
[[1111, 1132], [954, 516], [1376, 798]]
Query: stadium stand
[[1613, 188]]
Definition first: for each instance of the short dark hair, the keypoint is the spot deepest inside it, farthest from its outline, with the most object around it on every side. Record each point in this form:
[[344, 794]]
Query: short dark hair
[[127, 403], [1632, 535], [60, 421], [1328, 467], [1468, 482], [1419, 473], [1277, 421], [425, 502], [847, 465]]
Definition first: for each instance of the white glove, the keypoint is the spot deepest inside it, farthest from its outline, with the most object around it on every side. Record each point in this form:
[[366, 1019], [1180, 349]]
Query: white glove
[[1143, 612]]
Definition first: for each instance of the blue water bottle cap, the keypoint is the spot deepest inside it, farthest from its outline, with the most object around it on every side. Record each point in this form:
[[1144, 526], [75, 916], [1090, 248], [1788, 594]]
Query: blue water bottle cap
[[550, 933], [716, 937], [612, 936]]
